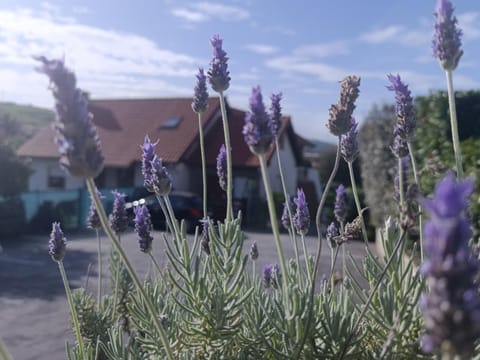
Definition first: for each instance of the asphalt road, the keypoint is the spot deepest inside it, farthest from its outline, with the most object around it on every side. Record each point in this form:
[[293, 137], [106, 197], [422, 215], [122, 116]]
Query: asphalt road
[[34, 316]]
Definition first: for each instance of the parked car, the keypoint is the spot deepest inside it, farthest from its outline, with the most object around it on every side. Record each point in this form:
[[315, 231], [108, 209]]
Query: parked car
[[186, 206]]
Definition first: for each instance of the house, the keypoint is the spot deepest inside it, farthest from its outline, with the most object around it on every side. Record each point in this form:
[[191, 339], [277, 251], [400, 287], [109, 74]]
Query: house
[[122, 125]]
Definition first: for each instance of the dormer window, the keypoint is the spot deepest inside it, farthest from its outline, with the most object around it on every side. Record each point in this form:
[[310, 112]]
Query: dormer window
[[171, 123]]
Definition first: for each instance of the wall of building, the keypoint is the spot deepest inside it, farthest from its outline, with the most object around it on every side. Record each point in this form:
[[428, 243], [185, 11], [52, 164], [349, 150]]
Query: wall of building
[[47, 175], [288, 166]]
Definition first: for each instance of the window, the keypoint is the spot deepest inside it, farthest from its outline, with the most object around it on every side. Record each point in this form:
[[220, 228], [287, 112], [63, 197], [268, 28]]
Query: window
[[56, 182], [171, 123]]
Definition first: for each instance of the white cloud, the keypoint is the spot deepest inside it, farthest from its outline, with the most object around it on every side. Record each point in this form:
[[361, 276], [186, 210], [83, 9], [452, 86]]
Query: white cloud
[[469, 23], [261, 49], [95, 54], [323, 50], [206, 11], [397, 35], [295, 64]]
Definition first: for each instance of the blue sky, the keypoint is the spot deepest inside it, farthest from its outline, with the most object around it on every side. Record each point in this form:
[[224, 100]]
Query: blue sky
[[152, 48]]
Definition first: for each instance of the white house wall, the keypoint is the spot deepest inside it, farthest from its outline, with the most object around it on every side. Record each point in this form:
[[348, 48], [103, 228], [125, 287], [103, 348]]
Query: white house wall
[[43, 168], [288, 166]]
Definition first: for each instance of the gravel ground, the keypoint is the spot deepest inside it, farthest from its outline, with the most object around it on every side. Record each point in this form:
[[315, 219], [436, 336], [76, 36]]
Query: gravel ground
[[34, 317]]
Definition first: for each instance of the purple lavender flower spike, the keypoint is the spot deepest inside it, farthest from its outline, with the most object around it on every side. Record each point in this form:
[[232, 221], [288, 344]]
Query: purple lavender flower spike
[[451, 308], [406, 123], [332, 235], [349, 143], [93, 220], [222, 168], [446, 40], [267, 275], [257, 130], [148, 155], [340, 114], [218, 74], [301, 219], [254, 251], [57, 244], [76, 136], [285, 216], [161, 179], [118, 219], [200, 96], [143, 228], [340, 207], [276, 113]]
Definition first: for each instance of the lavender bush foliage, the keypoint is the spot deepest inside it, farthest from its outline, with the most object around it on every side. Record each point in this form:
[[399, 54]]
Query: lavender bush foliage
[[206, 305]]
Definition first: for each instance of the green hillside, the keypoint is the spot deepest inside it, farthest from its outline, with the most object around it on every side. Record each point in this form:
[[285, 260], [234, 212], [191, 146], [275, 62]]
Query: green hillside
[[20, 122]]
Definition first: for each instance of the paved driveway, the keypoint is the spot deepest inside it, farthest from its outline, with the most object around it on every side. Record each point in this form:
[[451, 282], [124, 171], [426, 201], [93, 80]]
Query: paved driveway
[[33, 309]]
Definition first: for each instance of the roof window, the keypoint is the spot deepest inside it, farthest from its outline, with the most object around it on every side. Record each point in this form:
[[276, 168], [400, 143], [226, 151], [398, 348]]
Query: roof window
[[171, 123]]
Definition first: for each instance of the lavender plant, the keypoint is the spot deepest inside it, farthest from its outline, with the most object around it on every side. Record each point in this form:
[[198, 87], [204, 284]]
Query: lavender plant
[[206, 305]]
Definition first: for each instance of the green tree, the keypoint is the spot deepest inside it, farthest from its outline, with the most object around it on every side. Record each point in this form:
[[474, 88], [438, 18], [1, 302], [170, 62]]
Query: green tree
[[377, 163], [14, 173]]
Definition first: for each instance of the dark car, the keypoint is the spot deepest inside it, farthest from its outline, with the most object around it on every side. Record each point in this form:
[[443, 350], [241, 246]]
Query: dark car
[[186, 206]]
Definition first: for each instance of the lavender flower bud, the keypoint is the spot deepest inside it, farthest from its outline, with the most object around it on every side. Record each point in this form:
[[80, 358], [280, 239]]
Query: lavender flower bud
[[406, 123], [451, 308], [76, 136], [301, 219], [148, 155], [254, 251], [349, 143], [161, 179], [57, 244], [143, 228], [275, 113], [118, 219], [258, 129], [222, 168], [267, 275], [353, 231], [205, 242], [285, 215], [93, 220], [340, 114], [200, 97], [332, 235], [271, 276], [218, 74], [340, 207], [446, 40]]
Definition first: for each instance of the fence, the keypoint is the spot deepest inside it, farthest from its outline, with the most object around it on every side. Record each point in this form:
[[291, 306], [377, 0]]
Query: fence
[[70, 207]]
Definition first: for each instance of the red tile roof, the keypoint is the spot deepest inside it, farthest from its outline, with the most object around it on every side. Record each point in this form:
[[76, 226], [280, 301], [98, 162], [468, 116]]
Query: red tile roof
[[123, 123]]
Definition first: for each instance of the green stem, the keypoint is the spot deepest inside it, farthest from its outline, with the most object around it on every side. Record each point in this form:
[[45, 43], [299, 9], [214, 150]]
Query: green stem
[[204, 164], [99, 288], [357, 201], [73, 312], [420, 215], [319, 251], [332, 267], [171, 213], [454, 125], [289, 209], [159, 270], [4, 354], [116, 244], [228, 150], [273, 220], [372, 294], [307, 263], [117, 277]]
